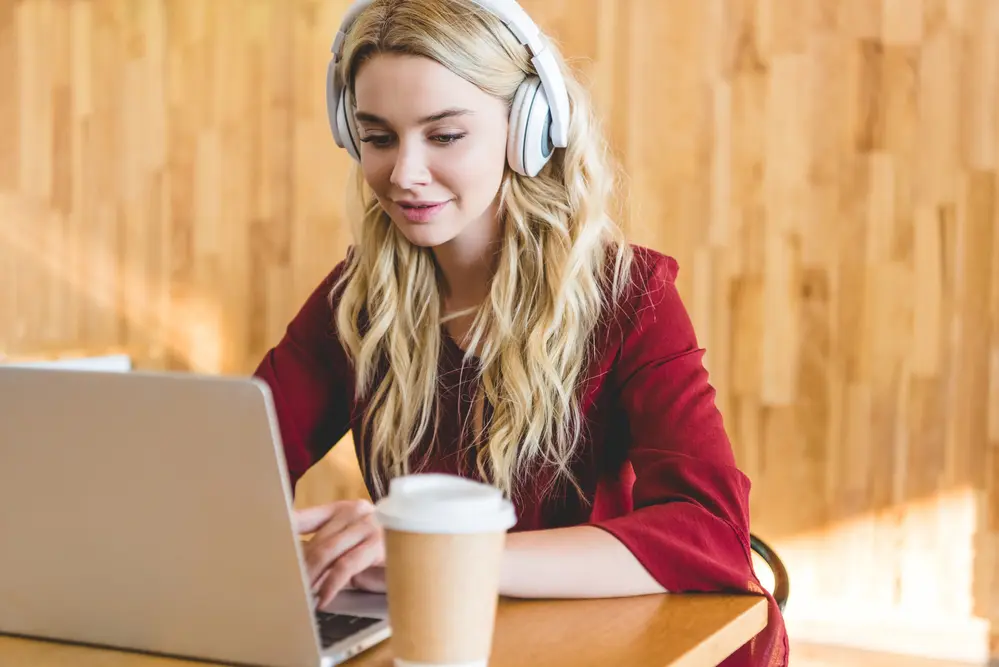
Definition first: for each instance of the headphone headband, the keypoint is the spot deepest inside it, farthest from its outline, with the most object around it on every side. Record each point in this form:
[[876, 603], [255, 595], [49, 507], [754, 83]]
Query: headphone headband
[[527, 33]]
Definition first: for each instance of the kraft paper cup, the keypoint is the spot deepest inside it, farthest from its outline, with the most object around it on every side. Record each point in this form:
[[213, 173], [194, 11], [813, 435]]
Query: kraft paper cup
[[444, 538]]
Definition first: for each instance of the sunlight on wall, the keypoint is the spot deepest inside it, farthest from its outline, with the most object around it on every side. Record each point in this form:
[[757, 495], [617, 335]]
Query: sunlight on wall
[[190, 328], [199, 327], [902, 561]]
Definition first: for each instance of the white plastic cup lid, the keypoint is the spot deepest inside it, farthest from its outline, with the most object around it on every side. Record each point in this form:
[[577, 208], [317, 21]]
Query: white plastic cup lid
[[439, 503]]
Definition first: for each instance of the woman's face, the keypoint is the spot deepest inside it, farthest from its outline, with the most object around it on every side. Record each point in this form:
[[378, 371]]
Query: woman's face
[[433, 148]]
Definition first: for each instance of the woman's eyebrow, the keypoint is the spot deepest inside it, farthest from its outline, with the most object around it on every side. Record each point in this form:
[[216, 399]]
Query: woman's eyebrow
[[368, 117]]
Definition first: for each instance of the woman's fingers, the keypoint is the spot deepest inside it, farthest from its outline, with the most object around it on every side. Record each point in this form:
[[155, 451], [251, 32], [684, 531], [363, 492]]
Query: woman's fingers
[[312, 519], [346, 541], [322, 553], [371, 580], [347, 566], [319, 583], [340, 534]]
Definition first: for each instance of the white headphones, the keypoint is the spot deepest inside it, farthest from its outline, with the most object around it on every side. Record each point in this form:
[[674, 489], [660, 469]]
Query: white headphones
[[539, 118]]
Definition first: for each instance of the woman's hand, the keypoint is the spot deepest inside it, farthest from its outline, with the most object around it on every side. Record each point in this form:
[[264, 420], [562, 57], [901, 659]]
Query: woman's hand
[[347, 548]]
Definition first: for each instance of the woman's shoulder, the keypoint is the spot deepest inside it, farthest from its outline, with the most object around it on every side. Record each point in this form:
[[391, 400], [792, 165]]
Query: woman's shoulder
[[652, 265], [333, 283], [650, 275], [648, 297], [317, 311]]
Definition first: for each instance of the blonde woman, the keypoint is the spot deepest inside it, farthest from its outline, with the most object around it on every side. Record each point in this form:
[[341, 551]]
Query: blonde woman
[[491, 321]]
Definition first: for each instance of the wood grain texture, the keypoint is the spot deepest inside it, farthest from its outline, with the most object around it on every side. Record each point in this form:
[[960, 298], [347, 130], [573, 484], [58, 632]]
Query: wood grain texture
[[647, 631], [823, 170]]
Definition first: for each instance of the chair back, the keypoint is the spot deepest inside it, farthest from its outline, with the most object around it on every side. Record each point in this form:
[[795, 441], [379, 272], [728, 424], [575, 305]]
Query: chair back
[[782, 583]]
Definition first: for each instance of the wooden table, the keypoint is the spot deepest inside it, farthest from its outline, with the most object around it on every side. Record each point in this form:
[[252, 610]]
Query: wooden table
[[649, 631]]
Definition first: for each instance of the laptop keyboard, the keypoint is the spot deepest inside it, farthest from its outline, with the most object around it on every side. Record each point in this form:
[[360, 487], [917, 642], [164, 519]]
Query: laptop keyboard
[[336, 627]]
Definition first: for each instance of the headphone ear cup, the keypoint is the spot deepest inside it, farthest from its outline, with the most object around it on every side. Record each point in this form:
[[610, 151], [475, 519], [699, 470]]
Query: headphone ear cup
[[332, 100], [346, 129], [515, 136], [529, 146]]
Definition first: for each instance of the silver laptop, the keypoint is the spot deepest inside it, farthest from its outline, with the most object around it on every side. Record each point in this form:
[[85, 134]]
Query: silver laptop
[[152, 512]]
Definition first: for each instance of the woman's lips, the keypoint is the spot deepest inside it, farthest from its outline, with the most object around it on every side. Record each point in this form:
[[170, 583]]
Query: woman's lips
[[421, 211]]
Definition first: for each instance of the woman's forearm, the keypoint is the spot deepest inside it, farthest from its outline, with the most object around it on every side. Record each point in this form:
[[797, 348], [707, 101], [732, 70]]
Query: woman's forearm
[[576, 562]]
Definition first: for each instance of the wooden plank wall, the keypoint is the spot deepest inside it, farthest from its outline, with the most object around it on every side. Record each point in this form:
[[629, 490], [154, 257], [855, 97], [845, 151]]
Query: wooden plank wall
[[824, 171]]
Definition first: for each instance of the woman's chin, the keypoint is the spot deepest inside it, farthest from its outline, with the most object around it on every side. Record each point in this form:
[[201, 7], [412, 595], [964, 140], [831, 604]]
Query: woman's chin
[[424, 235]]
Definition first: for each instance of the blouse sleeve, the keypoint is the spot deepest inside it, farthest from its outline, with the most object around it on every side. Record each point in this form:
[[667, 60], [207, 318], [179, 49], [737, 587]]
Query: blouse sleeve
[[307, 373], [689, 521]]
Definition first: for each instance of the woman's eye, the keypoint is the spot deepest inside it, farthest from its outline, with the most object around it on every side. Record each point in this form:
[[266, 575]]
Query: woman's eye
[[447, 139], [377, 140], [385, 140]]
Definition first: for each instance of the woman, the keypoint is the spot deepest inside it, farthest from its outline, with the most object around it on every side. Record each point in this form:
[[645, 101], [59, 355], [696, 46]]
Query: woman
[[491, 321]]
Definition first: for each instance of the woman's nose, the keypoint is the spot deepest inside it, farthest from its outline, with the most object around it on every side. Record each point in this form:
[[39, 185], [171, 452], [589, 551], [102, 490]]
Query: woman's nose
[[410, 167]]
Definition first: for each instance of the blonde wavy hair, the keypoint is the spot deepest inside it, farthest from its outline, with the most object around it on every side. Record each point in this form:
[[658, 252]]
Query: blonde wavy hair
[[561, 261]]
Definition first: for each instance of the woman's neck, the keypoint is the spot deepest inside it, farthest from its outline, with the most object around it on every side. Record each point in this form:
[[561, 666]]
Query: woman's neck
[[467, 264], [466, 278]]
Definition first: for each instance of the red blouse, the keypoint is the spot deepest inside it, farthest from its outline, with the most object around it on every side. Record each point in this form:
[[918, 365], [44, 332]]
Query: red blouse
[[655, 464]]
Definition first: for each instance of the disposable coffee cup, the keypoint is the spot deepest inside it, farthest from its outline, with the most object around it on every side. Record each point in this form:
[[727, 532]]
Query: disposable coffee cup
[[444, 538]]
